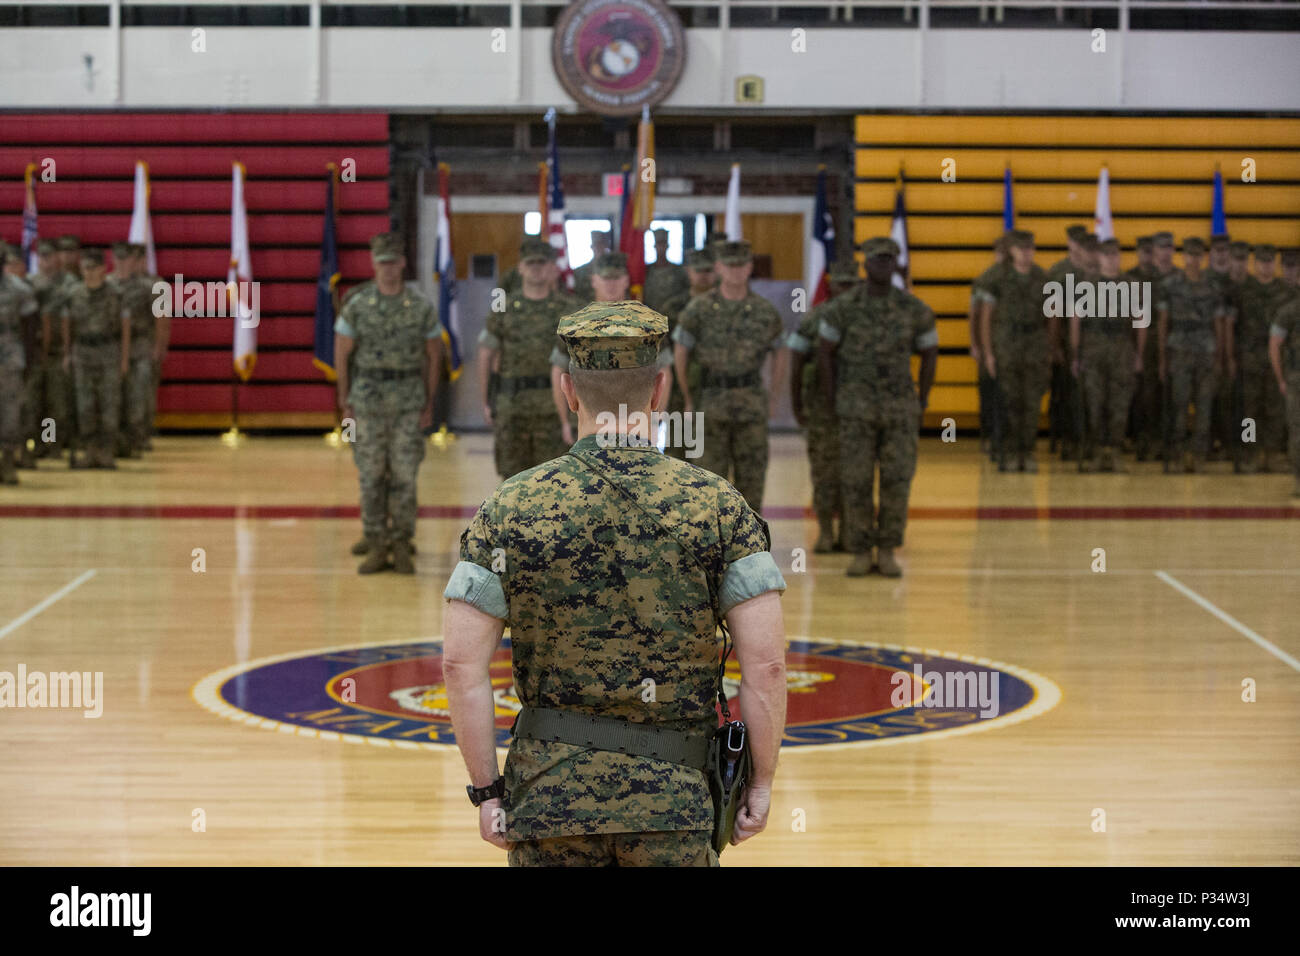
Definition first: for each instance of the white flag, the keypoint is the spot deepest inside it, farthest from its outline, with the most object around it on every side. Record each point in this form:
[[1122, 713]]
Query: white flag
[[239, 281], [141, 226], [733, 205], [1101, 223]]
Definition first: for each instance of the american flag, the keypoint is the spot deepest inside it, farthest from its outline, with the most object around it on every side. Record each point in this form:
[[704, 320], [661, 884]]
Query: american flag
[[30, 232], [555, 210]]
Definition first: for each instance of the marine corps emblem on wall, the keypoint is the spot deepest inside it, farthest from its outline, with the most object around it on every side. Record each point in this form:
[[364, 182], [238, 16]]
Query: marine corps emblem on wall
[[616, 56]]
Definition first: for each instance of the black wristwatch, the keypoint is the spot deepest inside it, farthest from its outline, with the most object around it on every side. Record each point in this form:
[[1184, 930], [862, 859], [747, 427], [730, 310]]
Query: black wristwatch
[[478, 794]]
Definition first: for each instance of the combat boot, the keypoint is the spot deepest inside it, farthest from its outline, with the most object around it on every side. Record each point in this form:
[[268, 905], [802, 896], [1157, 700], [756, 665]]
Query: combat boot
[[25, 457], [402, 562], [106, 456], [1295, 492], [888, 566], [376, 559], [861, 565], [1118, 465], [825, 536], [1087, 465], [1107, 459], [1193, 464], [361, 547], [1029, 464]]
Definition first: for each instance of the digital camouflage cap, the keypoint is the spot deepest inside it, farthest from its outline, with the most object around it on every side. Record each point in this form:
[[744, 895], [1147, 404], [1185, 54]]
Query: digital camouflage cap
[[1163, 239], [535, 249], [1076, 232], [1021, 237], [613, 335], [700, 258], [1146, 243], [843, 274], [387, 247], [67, 243], [1193, 245], [608, 265], [1265, 252], [735, 253], [1239, 250], [880, 246]]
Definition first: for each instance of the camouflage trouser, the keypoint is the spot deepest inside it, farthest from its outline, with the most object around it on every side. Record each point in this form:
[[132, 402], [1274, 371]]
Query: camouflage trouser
[[1191, 380], [739, 448], [1148, 428], [135, 397], [1261, 401], [151, 407], [824, 458], [33, 382], [58, 400], [11, 398], [987, 404], [1293, 419], [1108, 383], [1022, 381], [526, 440], [865, 443], [98, 375], [388, 451], [666, 848]]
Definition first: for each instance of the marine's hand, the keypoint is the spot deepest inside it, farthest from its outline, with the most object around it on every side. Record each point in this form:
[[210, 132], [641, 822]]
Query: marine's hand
[[751, 818], [487, 413], [426, 418], [492, 823]]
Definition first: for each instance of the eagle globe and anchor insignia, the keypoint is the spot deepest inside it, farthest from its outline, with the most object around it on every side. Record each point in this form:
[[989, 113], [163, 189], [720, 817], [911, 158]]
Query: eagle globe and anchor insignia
[[617, 56], [839, 694]]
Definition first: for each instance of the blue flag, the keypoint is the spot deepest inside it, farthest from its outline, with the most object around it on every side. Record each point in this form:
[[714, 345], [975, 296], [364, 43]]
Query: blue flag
[[445, 262], [1008, 206], [326, 279], [1218, 218]]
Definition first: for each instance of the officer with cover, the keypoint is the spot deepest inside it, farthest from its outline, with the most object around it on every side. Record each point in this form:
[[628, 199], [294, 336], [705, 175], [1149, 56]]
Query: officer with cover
[[612, 565], [388, 352]]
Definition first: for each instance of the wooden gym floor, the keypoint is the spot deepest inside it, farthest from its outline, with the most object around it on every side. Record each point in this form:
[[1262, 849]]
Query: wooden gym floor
[[1201, 592]]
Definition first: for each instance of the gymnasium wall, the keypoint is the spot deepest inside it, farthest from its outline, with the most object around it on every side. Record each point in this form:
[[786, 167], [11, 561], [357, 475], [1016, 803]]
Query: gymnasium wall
[[190, 156], [1161, 174]]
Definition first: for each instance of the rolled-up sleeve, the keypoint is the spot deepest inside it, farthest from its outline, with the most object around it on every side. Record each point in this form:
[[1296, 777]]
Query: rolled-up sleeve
[[828, 332], [560, 358], [479, 587], [343, 327], [797, 343], [488, 341], [927, 340], [747, 578], [1277, 331], [683, 338]]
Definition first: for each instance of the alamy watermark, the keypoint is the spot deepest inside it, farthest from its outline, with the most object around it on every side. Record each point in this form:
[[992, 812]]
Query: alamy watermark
[[666, 429], [1107, 299], [196, 300], [73, 689]]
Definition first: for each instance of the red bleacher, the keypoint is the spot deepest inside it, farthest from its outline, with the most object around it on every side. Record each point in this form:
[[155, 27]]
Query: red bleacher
[[189, 157]]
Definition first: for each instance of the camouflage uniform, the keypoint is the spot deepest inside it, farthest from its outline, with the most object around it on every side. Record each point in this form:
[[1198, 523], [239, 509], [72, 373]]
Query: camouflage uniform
[[823, 429], [599, 598], [138, 300], [388, 391], [1065, 407], [1146, 409], [96, 318], [17, 306], [1260, 399], [730, 339], [985, 384], [1021, 354], [526, 426], [1286, 326], [59, 399], [877, 405], [663, 281], [672, 310], [1108, 351], [1222, 434], [1190, 356]]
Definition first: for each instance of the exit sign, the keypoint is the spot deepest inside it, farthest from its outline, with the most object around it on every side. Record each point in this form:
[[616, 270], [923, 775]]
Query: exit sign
[[613, 184]]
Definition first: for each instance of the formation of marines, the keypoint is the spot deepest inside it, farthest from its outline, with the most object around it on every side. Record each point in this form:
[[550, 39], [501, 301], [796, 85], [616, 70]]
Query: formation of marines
[[80, 354], [1189, 374]]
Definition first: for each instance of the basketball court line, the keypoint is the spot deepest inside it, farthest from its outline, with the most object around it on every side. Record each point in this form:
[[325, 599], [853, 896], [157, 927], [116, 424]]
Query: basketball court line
[[1228, 619], [772, 512], [58, 595]]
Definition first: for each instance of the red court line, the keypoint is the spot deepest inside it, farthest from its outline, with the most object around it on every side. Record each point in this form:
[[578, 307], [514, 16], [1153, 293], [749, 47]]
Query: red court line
[[776, 512]]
